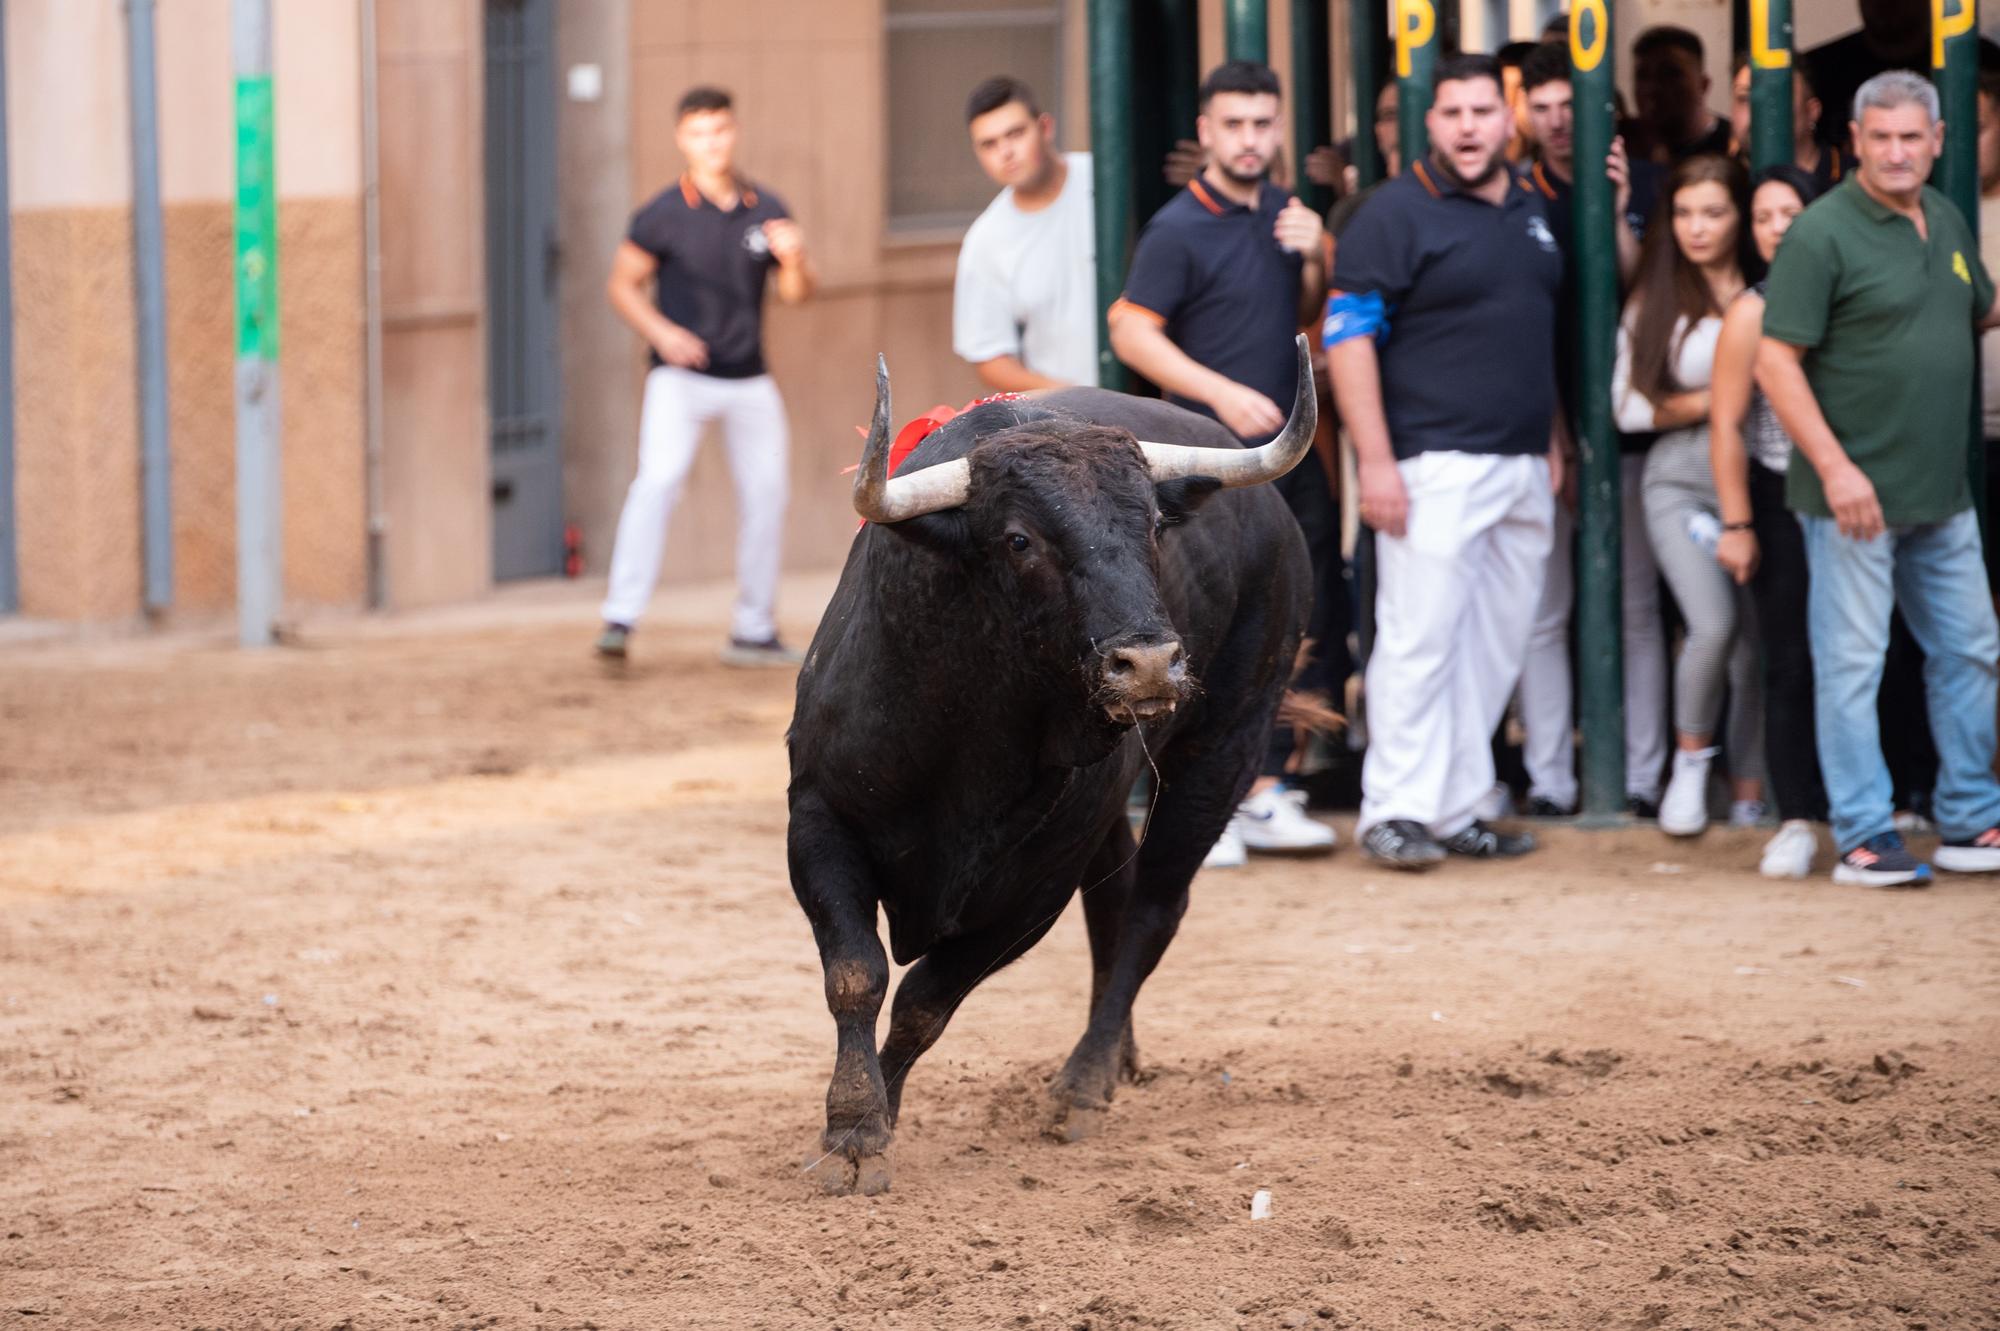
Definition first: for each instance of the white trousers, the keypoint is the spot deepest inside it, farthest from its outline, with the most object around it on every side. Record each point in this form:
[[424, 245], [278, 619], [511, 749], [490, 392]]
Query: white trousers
[[1547, 699], [1454, 600], [677, 405]]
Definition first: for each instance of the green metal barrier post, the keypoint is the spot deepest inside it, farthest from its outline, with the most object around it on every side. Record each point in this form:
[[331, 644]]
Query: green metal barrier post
[[1367, 40], [1247, 30], [1416, 61], [1312, 105], [1955, 68], [1601, 686], [1111, 165], [1771, 127]]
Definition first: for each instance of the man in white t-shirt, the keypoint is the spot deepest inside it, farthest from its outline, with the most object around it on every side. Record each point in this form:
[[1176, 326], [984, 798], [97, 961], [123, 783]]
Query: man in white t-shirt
[[1024, 308]]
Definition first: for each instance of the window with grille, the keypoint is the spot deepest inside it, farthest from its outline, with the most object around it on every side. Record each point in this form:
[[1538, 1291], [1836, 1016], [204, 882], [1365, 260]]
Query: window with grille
[[938, 51]]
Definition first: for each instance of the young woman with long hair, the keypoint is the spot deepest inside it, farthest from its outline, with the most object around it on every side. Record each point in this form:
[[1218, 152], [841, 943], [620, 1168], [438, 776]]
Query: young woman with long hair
[[1692, 266], [1761, 545]]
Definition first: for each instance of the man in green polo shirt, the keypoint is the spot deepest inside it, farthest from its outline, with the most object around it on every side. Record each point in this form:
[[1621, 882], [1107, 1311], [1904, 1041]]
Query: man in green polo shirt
[[1868, 358]]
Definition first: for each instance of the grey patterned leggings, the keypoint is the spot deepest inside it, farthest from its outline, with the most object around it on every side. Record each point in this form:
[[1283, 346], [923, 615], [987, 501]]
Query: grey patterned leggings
[[1721, 646]]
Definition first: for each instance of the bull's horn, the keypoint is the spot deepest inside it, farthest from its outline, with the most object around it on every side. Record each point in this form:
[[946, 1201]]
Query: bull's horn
[[877, 497], [1248, 466]]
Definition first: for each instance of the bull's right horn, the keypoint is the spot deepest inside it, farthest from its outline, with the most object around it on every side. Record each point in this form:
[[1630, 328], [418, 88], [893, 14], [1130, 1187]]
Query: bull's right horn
[[878, 497], [1248, 466]]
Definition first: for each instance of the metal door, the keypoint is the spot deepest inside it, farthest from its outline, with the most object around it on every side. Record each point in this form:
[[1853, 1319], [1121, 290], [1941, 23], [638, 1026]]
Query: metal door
[[524, 385]]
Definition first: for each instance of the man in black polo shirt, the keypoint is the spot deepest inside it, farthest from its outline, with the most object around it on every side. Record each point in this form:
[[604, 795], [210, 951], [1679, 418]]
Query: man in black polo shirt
[[1440, 339], [690, 280], [1221, 280]]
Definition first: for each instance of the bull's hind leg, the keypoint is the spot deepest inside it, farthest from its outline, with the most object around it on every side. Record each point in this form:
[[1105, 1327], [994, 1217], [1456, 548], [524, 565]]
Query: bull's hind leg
[[1198, 793], [833, 887]]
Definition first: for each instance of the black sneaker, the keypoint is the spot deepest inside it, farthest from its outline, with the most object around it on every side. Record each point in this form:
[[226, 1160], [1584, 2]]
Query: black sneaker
[[611, 643], [1402, 844], [1979, 854], [1481, 842], [1881, 861], [1641, 807], [1540, 806], [770, 652]]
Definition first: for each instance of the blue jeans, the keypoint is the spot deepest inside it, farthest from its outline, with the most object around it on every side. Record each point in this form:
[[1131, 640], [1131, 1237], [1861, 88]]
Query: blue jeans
[[1937, 574]]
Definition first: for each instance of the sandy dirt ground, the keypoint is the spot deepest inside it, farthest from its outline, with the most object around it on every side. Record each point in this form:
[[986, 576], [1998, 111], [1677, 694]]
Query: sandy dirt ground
[[425, 975]]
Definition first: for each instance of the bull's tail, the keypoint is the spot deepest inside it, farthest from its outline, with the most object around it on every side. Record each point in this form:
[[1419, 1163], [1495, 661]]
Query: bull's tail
[[1308, 709]]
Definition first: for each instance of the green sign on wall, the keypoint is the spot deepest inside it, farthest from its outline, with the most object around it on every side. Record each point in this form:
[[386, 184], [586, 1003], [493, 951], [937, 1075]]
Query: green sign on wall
[[256, 222]]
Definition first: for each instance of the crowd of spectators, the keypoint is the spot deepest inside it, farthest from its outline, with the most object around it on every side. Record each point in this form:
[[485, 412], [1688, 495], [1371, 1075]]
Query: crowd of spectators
[[1792, 390]]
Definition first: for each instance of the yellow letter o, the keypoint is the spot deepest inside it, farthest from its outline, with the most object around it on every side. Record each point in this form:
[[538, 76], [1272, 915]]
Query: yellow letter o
[[1586, 56]]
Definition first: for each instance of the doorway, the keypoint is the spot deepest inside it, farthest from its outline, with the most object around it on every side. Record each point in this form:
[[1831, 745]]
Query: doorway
[[524, 384]]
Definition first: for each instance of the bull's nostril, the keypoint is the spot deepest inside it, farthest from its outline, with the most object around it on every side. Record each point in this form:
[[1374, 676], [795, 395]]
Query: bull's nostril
[[1121, 664]]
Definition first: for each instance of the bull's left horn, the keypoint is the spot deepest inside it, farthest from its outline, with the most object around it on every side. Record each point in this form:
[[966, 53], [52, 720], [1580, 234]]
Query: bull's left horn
[[877, 497], [1248, 466]]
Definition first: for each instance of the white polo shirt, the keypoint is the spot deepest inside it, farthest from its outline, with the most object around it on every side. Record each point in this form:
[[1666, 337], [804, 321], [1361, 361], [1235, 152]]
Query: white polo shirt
[[1027, 283]]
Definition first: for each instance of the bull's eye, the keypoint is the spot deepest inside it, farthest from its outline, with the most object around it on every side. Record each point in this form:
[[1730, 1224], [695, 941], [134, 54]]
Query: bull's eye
[[1018, 542]]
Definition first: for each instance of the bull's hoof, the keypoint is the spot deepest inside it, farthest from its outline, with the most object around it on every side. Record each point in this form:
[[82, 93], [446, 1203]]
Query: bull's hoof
[[1076, 1112], [871, 1175], [1075, 1123], [837, 1175], [834, 1174]]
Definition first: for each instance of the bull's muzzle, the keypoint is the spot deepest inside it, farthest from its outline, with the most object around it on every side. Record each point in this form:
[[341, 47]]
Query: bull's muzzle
[[1142, 680]]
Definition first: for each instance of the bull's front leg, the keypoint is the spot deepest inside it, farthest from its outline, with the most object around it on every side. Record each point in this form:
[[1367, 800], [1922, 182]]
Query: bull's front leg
[[1128, 941], [833, 885]]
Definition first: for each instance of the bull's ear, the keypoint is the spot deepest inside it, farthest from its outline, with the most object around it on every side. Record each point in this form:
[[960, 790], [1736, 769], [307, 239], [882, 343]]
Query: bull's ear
[[1178, 499], [947, 532]]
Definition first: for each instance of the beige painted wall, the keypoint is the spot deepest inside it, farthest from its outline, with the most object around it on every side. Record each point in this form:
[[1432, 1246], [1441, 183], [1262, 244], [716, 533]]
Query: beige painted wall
[[315, 59], [436, 474], [77, 411], [68, 113]]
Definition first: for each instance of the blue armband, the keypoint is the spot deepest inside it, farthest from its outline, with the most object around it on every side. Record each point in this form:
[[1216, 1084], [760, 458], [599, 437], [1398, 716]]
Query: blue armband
[[1354, 314]]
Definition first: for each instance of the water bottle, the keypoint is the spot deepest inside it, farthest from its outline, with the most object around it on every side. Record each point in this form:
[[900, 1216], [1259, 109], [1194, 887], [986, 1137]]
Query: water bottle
[[1705, 530]]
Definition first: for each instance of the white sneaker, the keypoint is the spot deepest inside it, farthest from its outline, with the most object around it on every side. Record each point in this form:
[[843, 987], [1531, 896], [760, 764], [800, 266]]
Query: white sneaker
[[1227, 852], [1912, 824], [1684, 808], [1274, 822], [1790, 853], [1979, 854], [1746, 813], [1495, 804]]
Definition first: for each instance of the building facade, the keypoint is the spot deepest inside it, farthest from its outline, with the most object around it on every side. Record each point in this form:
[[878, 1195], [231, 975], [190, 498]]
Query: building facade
[[454, 176]]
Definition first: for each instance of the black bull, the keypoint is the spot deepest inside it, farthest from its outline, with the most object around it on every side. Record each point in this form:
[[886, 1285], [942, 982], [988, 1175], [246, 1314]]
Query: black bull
[[988, 682]]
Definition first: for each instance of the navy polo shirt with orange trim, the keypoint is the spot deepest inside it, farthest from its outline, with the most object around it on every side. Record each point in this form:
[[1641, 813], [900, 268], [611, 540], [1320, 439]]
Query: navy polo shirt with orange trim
[[1212, 274], [1469, 289], [713, 265], [1646, 177]]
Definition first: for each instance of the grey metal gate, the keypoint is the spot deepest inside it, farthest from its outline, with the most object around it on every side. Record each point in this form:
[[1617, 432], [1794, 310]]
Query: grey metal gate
[[524, 373]]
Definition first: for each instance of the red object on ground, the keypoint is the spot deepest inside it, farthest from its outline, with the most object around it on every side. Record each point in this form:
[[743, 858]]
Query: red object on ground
[[572, 551]]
